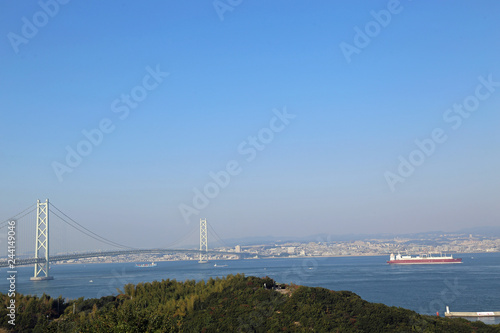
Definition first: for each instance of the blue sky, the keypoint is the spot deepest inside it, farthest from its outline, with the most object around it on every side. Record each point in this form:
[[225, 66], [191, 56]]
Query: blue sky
[[324, 171]]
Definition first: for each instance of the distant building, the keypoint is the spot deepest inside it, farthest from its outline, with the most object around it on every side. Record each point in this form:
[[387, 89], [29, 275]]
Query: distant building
[[237, 249]]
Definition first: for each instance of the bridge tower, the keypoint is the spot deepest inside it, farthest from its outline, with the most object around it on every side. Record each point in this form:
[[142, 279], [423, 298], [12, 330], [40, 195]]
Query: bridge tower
[[42, 241], [203, 242]]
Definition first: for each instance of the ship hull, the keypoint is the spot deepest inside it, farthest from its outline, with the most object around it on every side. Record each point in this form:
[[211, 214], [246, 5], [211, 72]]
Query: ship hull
[[425, 261]]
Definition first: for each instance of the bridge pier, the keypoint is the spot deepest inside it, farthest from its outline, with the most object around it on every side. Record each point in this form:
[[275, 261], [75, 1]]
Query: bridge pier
[[42, 242]]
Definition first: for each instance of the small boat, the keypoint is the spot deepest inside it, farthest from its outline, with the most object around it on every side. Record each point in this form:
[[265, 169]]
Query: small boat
[[153, 264], [215, 265], [91, 281]]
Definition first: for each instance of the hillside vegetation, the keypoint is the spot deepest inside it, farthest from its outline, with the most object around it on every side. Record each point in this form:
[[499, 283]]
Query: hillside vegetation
[[232, 304]]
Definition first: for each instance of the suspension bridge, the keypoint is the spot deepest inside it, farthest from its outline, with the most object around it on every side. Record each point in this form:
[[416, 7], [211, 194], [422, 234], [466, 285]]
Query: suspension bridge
[[42, 256]]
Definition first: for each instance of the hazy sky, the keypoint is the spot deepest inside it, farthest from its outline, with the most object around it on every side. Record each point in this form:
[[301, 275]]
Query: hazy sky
[[327, 117]]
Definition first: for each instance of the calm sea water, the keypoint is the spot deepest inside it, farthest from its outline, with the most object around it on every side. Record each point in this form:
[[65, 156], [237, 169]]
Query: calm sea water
[[473, 285]]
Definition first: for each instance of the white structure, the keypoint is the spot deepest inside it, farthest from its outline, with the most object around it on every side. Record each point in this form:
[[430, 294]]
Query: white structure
[[203, 241], [42, 241]]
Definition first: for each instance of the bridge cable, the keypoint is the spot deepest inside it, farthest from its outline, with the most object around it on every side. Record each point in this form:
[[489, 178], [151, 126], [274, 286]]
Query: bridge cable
[[183, 238], [17, 217], [90, 235], [217, 236], [102, 239]]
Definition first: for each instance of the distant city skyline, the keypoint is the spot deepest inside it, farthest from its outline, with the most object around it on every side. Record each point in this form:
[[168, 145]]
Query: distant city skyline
[[282, 119]]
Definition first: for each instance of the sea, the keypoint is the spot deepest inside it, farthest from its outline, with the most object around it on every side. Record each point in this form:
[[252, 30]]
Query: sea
[[472, 286]]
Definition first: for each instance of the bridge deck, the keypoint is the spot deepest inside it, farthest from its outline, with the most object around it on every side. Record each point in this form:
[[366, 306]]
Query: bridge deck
[[29, 261]]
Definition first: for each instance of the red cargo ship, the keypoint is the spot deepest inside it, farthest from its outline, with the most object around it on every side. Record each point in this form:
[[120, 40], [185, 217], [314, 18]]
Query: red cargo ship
[[424, 259]]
